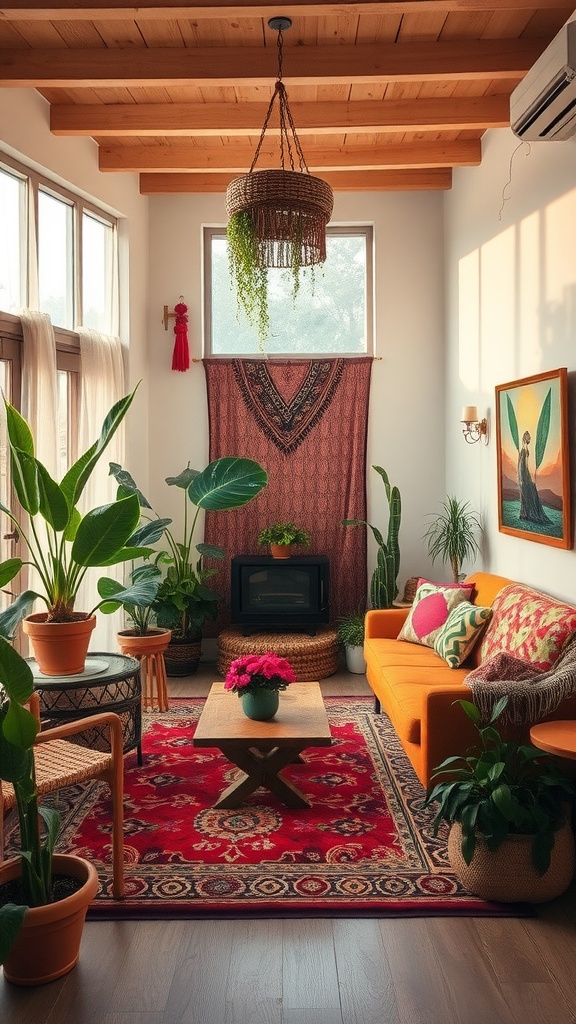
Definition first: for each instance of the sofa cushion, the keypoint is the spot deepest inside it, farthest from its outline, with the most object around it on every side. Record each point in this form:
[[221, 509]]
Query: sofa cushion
[[528, 624], [461, 632], [430, 610]]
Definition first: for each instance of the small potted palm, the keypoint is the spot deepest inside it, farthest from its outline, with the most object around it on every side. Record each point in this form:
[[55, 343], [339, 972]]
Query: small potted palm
[[350, 632], [62, 544], [452, 535], [507, 804], [281, 537], [43, 896]]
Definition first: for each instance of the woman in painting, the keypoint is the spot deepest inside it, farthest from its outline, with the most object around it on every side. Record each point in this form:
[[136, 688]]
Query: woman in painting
[[530, 505]]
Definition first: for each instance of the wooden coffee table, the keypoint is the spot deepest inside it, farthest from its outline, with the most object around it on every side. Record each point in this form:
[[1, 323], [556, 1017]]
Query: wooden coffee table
[[262, 749]]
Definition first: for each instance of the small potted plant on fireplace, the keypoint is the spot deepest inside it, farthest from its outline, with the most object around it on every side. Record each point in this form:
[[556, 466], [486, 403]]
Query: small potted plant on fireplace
[[281, 537]]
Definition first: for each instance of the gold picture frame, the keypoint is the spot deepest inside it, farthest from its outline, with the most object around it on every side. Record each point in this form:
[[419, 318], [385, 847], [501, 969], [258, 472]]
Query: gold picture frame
[[533, 459]]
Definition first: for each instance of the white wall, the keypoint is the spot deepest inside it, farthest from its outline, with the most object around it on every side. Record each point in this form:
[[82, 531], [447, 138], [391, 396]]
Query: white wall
[[25, 135], [406, 412], [511, 313]]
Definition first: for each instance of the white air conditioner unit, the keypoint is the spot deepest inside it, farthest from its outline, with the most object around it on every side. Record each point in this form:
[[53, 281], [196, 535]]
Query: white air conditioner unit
[[543, 105]]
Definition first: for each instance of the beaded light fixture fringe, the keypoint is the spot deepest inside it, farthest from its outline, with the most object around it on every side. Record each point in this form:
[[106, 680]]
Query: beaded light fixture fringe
[[289, 208]]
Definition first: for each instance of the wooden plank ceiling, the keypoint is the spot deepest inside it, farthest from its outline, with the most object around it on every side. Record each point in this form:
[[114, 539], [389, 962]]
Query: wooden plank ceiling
[[384, 95]]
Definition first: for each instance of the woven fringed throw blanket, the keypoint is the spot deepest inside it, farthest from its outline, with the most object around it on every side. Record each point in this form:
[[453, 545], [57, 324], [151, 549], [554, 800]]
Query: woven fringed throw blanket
[[532, 694]]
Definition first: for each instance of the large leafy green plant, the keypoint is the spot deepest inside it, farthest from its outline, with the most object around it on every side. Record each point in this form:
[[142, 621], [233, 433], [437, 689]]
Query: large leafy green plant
[[500, 789], [18, 729], [61, 543], [383, 585], [451, 535], [184, 601]]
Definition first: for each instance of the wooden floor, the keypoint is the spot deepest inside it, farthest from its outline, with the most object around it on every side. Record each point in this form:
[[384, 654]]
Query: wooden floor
[[322, 971]]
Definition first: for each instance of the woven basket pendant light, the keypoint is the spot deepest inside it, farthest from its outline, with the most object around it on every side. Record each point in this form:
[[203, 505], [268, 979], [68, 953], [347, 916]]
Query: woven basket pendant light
[[289, 207]]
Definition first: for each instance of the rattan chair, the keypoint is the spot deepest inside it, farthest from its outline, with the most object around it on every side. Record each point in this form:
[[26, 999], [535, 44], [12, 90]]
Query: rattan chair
[[60, 763]]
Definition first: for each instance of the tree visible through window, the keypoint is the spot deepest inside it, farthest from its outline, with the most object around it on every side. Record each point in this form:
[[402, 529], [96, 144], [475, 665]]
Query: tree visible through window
[[331, 314]]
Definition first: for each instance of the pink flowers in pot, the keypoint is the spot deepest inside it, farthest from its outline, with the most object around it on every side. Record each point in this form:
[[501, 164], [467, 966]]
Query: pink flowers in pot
[[255, 672]]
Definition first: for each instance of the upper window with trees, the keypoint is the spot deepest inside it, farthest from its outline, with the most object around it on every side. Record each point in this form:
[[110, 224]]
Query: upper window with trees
[[330, 315]]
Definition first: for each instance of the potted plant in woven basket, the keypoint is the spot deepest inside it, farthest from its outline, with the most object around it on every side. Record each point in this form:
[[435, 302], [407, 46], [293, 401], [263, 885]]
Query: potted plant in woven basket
[[62, 544], [278, 216], [43, 896], [281, 537], [507, 803], [184, 600]]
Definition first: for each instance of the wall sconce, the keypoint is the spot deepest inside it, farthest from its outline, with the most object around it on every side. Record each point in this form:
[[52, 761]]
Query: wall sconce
[[473, 429]]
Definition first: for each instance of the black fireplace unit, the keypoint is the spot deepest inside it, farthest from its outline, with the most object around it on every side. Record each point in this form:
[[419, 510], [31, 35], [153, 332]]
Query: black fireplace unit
[[279, 595]]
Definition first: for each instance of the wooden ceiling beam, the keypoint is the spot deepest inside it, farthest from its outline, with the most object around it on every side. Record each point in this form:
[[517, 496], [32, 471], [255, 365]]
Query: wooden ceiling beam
[[237, 159], [156, 10], [341, 181], [318, 118], [484, 59]]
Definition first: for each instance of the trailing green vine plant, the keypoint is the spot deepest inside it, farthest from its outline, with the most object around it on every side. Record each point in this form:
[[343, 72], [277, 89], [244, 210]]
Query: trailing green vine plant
[[250, 278]]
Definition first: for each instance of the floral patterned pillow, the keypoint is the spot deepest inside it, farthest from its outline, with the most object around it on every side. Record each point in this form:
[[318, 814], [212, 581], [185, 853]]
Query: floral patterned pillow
[[530, 625], [431, 607], [461, 632]]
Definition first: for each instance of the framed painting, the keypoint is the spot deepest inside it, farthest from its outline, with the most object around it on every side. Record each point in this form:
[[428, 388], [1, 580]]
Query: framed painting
[[533, 462]]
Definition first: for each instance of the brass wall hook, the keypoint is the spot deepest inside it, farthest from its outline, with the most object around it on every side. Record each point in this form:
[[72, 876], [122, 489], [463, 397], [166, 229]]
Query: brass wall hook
[[169, 316]]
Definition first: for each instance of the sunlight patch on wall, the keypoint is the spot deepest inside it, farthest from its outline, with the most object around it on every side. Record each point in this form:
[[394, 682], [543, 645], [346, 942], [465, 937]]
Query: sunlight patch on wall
[[469, 325], [498, 321], [558, 313], [529, 291]]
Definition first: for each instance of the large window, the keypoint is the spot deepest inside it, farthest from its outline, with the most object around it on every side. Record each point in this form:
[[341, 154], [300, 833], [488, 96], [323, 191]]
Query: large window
[[331, 314], [13, 193], [58, 253]]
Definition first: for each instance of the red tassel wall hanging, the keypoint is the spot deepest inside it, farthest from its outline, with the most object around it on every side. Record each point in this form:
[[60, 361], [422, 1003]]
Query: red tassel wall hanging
[[181, 353]]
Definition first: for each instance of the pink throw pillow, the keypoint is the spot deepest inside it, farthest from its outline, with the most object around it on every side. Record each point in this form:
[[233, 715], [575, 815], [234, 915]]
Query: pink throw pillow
[[530, 625], [430, 610]]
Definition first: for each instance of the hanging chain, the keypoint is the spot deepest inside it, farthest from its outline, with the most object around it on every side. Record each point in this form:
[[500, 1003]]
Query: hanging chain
[[286, 123]]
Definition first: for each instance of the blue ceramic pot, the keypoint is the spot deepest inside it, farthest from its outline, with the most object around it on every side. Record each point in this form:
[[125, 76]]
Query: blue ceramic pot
[[260, 705]]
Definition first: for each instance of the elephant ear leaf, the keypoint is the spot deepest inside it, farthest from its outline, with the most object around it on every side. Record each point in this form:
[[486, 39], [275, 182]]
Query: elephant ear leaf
[[512, 422], [543, 429]]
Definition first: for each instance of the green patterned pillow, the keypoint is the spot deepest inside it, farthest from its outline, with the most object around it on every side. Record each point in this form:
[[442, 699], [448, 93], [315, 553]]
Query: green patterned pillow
[[460, 632]]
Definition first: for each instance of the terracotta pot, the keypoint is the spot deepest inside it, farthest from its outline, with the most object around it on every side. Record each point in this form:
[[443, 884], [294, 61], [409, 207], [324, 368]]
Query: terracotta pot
[[48, 944], [508, 874], [280, 550], [60, 648], [154, 642]]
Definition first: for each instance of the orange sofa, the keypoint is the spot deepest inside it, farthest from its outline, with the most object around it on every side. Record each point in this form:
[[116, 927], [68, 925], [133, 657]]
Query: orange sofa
[[417, 689]]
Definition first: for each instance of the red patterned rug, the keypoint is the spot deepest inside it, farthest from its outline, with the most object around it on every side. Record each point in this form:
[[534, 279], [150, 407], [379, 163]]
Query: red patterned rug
[[364, 848]]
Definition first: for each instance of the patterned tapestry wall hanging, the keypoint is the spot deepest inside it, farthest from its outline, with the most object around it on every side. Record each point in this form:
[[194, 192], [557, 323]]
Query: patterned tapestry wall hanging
[[305, 422]]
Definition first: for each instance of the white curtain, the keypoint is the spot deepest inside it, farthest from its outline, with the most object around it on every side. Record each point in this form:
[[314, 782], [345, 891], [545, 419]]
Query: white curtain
[[40, 386], [102, 384], [40, 409]]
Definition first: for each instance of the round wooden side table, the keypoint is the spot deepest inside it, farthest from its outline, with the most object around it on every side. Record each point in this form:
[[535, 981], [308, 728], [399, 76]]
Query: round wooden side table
[[110, 682], [555, 738]]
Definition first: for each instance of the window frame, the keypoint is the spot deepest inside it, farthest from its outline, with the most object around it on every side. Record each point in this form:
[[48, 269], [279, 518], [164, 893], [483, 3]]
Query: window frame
[[36, 182], [210, 231]]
